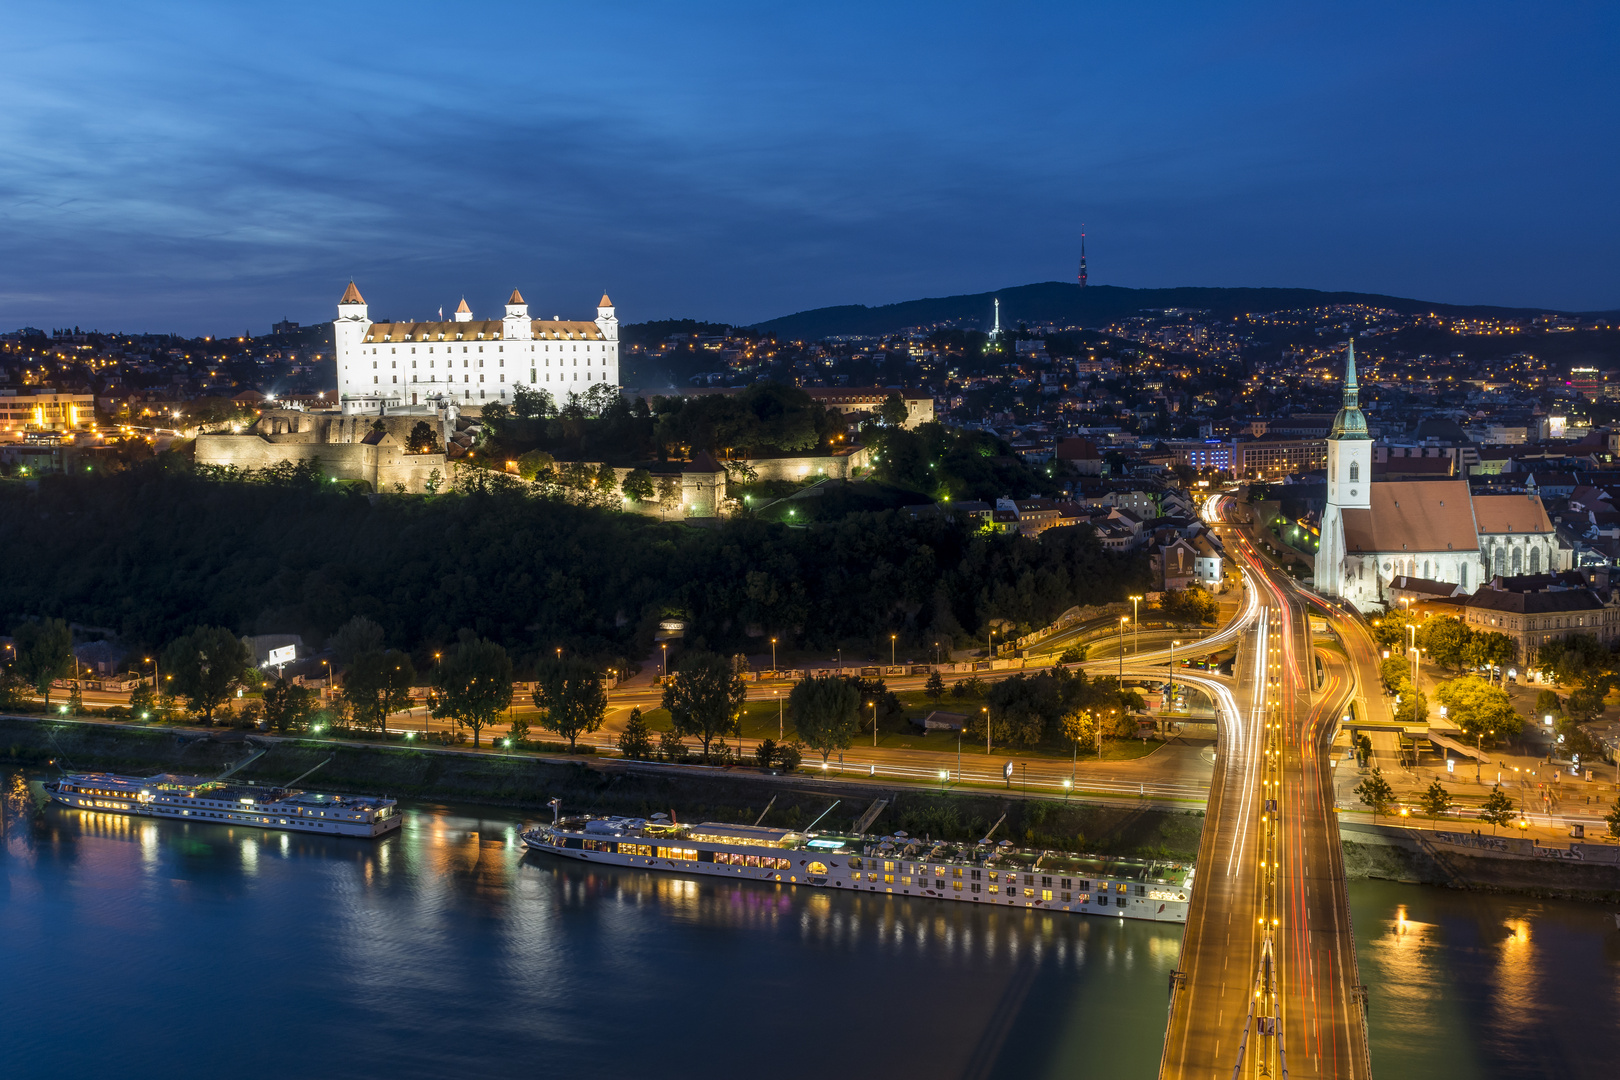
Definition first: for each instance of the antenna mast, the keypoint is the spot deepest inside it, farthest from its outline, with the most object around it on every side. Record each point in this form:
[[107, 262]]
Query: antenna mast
[[1082, 256]]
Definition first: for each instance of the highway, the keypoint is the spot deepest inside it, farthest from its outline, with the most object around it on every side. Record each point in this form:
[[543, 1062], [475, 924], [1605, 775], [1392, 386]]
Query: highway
[[1267, 984]]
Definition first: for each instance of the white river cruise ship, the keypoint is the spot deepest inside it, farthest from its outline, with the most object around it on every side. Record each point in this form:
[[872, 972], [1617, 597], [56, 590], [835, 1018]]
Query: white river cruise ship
[[982, 873], [196, 798]]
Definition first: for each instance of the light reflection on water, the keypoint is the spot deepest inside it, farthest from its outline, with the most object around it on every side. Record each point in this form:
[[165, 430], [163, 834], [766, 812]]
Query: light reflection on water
[[190, 949], [1466, 985]]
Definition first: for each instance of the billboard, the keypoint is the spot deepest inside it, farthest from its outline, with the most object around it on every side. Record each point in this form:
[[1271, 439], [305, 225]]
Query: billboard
[[284, 655]]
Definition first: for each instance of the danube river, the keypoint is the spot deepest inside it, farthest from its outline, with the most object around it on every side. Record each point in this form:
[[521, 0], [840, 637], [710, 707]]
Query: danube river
[[138, 948]]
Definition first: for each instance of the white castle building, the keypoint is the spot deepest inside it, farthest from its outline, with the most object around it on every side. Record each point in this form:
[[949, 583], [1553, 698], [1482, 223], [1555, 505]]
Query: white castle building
[[1435, 530], [383, 366]]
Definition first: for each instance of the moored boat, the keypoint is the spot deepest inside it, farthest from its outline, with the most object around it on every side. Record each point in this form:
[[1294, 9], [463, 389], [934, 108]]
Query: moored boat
[[196, 798], [898, 864]]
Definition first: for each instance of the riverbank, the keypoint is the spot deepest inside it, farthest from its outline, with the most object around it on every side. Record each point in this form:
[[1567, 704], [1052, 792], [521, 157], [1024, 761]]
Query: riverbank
[[1588, 872], [599, 786]]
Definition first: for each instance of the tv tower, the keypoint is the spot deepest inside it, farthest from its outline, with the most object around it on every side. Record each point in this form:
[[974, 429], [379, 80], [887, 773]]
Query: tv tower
[[1082, 256]]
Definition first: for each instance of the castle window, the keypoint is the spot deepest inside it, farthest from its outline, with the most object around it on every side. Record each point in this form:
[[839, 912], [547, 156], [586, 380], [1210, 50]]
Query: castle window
[[503, 379], [1355, 470]]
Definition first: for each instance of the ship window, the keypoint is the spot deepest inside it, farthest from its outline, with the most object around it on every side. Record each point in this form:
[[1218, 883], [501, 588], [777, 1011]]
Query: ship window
[[956, 872], [957, 885], [995, 888], [1046, 894], [889, 866], [888, 879], [816, 868]]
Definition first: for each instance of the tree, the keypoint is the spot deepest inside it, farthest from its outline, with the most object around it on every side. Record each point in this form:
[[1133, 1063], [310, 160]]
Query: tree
[[207, 664], [1586, 701], [669, 493], [571, 697], [826, 712], [1447, 640], [287, 706], [1548, 704], [635, 741], [422, 439], [893, 411], [355, 638], [670, 746], [1376, 792], [44, 654], [530, 404], [576, 475], [473, 683], [705, 697], [1020, 707], [75, 701], [1435, 800], [1079, 726], [377, 685], [534, 464], [1411, 705], [1192, 606], [934, 688], [1074, 654], [1497, 808], [1613, 818], [1490, 648], [1393, 672], [638, 484], [607, 482], [13, 690], [1479, 708]]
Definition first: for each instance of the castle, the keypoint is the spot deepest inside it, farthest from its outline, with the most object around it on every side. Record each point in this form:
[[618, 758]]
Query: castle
[[385, 366]]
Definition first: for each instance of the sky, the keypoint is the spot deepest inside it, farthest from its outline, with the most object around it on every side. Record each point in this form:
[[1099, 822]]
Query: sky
[[212, 168]]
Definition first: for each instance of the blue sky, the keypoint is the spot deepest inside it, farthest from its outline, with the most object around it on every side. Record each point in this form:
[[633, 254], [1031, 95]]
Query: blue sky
[[212, 167]]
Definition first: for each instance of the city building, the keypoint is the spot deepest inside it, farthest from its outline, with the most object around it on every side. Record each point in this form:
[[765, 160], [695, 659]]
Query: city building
[[384, 366], [46, 410]]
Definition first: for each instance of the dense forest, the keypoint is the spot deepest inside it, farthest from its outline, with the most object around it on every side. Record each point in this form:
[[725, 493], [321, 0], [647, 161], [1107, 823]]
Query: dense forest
[[153, 551]]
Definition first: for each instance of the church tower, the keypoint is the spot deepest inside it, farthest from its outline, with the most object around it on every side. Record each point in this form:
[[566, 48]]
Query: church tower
[[1349, 474]]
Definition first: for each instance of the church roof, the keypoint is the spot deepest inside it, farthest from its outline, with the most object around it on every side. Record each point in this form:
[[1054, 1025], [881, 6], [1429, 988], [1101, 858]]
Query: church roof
[[351, 295], [480, 330], [1417, 515], [1511, 514]]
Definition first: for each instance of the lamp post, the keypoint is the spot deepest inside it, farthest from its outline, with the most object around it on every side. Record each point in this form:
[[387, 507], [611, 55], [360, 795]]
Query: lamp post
[[781, 730], [1136, 625], [773, 656], [891, 649], [1123, 619], [874, 723], [665, 646], [986, 710], [1171, 702]]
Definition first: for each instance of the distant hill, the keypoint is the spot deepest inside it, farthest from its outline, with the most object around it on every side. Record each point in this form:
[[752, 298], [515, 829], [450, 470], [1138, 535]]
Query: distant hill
[[1096, 306]]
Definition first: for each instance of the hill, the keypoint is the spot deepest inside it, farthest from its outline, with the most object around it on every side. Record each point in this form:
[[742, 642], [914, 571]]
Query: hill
[[1067, 304]]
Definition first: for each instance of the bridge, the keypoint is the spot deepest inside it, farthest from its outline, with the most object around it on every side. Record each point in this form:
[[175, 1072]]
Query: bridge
[[1267, 983]]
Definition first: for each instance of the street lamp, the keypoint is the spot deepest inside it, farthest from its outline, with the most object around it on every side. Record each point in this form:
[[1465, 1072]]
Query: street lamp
[[891, 649], [665, 647], [781, 730], [773, 656], [986, 710], [874, 723], [1136, 625], [1171, 702], [1123, 619]]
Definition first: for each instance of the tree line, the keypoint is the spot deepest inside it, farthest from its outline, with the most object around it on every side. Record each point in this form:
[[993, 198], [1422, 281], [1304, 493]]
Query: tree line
[[152, 553]]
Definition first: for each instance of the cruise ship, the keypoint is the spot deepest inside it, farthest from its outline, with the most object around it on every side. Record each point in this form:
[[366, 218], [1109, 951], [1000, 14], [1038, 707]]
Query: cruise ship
[[901, 865], [197, 798]]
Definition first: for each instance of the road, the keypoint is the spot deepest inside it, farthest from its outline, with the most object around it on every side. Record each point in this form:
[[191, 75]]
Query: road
[[1267, 984]]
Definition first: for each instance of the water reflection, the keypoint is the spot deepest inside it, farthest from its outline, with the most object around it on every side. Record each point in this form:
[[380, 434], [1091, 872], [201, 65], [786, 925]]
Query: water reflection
[[1477, 985], [446, 949]]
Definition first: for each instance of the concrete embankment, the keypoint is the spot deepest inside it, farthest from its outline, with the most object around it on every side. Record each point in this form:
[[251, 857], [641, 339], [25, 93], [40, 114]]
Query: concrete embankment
[[596, 786], [1575, 871]]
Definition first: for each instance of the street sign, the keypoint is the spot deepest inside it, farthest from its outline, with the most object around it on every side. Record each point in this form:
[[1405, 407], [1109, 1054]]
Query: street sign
[[1006, 771], [1451, 765], [284, 655]]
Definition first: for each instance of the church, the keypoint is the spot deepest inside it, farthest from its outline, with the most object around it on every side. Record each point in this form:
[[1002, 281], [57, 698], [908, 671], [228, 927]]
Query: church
[[1373, 533], [468, 362]]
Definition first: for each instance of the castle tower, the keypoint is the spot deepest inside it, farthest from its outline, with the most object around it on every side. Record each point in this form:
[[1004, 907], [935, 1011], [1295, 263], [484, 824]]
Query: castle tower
[[517, 326], [608, 322], [348, 331], [1349, 476], [463, 312]]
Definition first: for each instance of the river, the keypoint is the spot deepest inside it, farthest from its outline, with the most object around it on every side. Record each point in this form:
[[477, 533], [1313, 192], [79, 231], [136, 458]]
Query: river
[[138, 948]]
